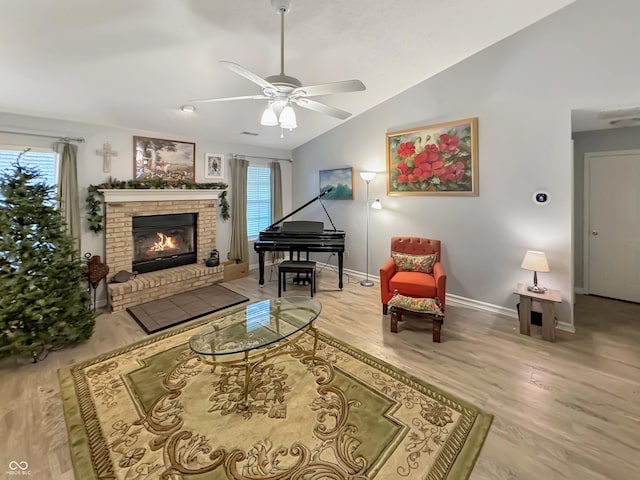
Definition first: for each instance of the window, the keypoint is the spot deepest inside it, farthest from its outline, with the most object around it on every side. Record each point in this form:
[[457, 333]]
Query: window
[[43, 160], [258, 200]]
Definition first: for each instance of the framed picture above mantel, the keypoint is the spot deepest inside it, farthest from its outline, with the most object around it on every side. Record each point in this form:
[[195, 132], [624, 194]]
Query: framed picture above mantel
[[439, 159], [168, 160]]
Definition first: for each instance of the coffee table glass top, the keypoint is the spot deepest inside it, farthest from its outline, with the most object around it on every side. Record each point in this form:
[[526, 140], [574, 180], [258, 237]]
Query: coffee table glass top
[[256, 325]]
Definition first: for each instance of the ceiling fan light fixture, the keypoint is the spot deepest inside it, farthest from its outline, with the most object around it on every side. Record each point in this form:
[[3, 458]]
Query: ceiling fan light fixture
[[282, 91], [269, 118], [288, 118]]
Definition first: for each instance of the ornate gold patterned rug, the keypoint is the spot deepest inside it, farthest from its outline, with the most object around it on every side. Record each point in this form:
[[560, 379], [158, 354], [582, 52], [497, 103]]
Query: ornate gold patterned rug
[[153, 410]]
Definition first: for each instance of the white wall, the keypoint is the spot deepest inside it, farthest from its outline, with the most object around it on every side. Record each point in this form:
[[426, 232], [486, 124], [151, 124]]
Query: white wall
[[522, 90], [90, 165]]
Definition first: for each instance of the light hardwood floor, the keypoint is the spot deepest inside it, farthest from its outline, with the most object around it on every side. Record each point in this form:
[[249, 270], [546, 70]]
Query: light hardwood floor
[[563, 410]]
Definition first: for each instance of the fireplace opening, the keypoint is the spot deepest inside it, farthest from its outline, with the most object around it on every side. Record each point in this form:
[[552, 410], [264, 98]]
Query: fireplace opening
[[164, 241]]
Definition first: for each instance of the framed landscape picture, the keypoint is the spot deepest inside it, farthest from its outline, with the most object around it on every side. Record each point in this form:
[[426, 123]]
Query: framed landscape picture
[[214, 166], [168, 160], [340, 180], [437, 159]]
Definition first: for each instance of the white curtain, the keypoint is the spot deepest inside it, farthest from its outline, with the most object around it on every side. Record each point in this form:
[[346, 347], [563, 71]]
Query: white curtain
[[239, 249], [69, 197]]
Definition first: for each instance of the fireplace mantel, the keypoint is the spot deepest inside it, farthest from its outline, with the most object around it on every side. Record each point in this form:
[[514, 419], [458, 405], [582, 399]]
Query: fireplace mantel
[[120, 208], [157, 195]]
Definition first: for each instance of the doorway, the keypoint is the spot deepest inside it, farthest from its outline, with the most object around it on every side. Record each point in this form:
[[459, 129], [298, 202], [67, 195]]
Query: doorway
[[612, 224]]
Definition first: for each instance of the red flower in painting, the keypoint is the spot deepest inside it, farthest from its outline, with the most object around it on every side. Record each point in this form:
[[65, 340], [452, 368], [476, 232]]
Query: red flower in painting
[[406, 149], [431, 150], [433, 157], [427, 171], [437, 165], [420, 158], [402, 167], [403, 179], [452, 173], [448, 143], [452, 140]]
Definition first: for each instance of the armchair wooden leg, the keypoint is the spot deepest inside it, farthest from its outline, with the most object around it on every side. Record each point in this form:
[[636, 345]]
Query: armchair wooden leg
[[384, 309], [437, 327], [395, 317]]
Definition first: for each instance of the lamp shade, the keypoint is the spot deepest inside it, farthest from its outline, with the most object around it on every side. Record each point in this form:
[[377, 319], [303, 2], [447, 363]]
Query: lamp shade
[[288, 118], [536, 261], [269, 118], [376, 204], [367, 176]]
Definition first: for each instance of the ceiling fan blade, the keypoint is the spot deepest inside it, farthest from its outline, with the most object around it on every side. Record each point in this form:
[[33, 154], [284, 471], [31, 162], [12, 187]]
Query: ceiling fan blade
[[322, 108], [226, 99], [243, 72], [330, 88]]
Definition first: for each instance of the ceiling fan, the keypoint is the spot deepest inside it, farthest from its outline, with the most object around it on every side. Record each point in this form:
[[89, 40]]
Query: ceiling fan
[[283, 91]]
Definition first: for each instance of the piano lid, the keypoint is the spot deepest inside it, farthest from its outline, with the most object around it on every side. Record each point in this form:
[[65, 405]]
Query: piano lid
[[273, 225]]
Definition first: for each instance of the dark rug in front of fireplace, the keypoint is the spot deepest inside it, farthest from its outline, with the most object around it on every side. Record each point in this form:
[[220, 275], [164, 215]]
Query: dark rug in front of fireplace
[[167, 312]]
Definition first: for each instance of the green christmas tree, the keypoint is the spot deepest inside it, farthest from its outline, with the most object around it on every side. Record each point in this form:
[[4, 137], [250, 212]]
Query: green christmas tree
[[44, 302]]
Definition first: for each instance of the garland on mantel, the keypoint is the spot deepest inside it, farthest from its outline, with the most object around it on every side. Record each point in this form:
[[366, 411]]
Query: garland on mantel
[[94, 203]]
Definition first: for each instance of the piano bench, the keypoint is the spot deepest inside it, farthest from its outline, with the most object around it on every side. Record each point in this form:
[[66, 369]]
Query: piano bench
[[292, 266]]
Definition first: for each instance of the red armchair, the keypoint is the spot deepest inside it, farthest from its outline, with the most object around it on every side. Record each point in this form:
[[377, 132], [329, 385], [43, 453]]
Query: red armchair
[[413, 284]]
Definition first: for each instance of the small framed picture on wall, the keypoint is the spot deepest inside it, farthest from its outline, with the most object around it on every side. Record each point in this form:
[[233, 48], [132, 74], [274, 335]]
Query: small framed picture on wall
[[214, 166], [337, 183]]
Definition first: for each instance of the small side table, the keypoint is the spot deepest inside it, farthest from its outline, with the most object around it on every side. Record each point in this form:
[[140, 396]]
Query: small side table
[[547, 301]]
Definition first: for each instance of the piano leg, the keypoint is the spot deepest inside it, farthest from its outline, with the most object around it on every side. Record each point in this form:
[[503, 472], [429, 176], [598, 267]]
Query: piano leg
[[261, 268], [340, 267]]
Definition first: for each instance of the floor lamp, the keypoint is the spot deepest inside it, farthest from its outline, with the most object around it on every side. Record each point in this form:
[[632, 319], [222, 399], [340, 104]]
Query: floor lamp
[[367, 177]]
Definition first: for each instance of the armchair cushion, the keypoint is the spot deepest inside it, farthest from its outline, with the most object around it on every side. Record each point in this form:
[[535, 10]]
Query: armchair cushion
[[413, 284], [421, 305], [406, 262]]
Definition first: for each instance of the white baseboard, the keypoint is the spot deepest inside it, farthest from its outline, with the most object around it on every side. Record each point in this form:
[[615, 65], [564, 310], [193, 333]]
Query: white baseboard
[[483, 306], [488, 307], [451, 299]]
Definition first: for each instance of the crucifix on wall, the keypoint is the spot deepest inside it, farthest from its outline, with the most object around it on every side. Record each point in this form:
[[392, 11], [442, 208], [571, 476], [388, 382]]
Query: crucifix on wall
[[106, 154]]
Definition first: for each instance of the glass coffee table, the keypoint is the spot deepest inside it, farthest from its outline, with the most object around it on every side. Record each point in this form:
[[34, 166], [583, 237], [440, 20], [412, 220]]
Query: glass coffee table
[[249, 335]]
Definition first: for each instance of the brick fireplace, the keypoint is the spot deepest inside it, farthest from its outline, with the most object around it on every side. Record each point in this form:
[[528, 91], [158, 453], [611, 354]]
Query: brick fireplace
[[121, 206]]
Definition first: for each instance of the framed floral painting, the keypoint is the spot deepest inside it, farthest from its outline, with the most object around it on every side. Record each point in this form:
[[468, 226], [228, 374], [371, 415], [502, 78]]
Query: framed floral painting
[[438, 159]]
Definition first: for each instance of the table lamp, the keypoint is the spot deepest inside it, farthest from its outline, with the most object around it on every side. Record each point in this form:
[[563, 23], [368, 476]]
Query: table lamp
[[536, 261]]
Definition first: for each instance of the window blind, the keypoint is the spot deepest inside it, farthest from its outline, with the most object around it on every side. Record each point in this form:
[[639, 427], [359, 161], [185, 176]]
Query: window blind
[[45, 162], [258, 200]]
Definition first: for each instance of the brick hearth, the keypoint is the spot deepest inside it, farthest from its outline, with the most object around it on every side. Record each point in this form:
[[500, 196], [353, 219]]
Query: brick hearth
[[120, 207]]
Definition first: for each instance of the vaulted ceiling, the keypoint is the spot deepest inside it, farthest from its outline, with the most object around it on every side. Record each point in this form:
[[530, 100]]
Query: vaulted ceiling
[[132, 64]]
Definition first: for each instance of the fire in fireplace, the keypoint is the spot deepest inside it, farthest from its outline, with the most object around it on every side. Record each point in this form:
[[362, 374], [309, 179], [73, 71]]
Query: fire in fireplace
[[164, 241]]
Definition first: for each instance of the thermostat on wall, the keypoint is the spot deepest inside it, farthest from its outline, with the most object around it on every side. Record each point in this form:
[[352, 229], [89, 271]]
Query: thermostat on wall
[[541, 197]]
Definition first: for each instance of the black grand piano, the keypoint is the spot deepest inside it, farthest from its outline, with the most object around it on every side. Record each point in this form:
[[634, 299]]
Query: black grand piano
[[301, 236]]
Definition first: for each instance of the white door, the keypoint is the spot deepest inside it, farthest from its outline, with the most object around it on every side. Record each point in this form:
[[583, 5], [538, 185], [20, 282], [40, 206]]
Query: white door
[[612, 240]]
